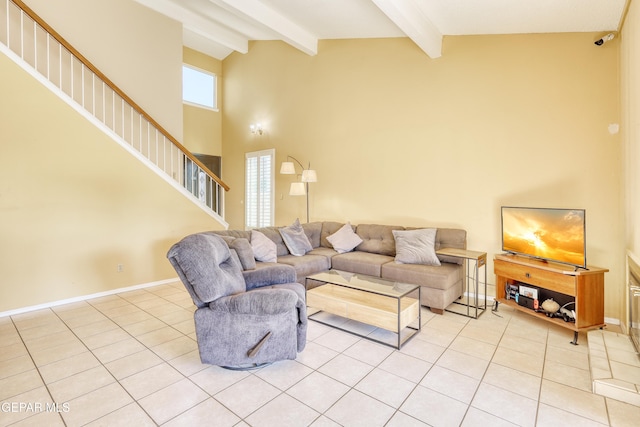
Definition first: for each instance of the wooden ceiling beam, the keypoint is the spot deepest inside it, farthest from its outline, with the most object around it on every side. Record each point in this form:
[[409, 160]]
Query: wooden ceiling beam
[[410, 18], [197, 24], [288, 30]]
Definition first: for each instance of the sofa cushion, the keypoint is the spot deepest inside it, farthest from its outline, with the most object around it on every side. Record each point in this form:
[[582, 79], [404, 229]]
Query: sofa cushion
[[325, 252], [377, 239], [416, 246], [440, 277], [264, 249], [295, 239], [360, 262], [306, 265], [345, 239], [313, 230]]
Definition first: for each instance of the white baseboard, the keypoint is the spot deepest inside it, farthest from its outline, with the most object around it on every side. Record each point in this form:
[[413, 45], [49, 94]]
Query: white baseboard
[[611, 321], [85, 297]]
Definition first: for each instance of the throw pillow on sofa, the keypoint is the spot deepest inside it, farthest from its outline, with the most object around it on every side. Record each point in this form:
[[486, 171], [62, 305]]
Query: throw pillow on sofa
[[295, 239], [264, 249], [345, 239], [245, 253], [243, 250], [416, 246]]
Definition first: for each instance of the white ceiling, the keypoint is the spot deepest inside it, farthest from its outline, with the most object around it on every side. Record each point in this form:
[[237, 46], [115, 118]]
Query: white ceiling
[[219, 27]]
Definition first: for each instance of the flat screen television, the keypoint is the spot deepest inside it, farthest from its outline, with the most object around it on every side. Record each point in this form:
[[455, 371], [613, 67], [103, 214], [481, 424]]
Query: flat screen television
[[550, 234]]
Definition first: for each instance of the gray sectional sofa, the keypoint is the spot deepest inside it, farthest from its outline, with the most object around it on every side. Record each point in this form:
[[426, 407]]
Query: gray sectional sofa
[[375, 256]]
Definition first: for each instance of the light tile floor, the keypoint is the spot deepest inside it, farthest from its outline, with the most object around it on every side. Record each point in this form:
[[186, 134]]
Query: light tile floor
[[131, 359], [615, 366]]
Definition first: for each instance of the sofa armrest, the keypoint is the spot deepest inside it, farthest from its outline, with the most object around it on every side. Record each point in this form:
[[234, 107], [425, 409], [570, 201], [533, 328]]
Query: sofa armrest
[[267, 274], [258, 302]]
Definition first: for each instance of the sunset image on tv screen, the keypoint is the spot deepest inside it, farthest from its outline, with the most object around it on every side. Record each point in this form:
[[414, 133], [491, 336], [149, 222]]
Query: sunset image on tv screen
[[554, 234]]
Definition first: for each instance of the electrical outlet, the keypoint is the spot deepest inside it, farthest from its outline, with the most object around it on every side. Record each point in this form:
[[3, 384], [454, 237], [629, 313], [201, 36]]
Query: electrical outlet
[[120, 268]]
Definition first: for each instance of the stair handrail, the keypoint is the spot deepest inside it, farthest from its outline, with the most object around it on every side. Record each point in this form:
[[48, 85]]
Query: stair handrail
[[116, 89]]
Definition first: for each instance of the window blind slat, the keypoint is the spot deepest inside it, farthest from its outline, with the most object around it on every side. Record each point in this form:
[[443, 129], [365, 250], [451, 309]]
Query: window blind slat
[[259, 191]]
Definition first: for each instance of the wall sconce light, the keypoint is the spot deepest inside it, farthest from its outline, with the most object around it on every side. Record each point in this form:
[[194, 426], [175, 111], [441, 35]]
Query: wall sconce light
[[256, 128], [299, 188]]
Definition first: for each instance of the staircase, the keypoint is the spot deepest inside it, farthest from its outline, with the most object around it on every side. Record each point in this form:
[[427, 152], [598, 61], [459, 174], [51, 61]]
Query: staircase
[[42, 52]]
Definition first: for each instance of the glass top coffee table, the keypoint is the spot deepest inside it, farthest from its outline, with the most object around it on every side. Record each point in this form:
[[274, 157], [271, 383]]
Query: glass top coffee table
[[392, 306]]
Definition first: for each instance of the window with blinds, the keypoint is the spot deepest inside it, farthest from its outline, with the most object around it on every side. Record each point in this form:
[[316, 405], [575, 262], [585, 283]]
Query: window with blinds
[[259, 191]]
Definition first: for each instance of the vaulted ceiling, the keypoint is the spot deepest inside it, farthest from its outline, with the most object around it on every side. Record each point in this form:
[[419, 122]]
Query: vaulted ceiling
[[219, 27]]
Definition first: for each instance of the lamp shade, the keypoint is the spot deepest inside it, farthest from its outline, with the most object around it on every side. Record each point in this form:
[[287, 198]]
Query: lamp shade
[[297, 189], [287, 168], [309, 175]]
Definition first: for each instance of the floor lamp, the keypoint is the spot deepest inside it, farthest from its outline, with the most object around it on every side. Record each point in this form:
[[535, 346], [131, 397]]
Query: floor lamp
[[299, 188]]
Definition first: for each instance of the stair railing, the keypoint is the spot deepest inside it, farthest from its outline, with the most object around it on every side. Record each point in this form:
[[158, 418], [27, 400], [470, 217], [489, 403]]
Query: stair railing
[[25, 34]]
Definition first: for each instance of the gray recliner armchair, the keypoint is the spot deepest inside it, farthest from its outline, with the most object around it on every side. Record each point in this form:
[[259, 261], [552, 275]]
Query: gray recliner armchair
[[243, 319]]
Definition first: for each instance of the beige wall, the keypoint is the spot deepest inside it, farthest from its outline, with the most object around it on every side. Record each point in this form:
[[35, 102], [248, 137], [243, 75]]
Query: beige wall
[[396, 138], [203, 127], [74, 204], [136, 48], [399, 138], [630, 70]]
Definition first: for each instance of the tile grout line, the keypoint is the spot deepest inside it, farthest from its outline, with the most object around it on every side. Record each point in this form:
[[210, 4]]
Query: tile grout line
[[102, 365], [606, 350], [107, 369], [423, 377], [94, 355], [469, 406], [316, 370], [189, 378], [184, 377], [544, 366], [281, 392], [146, 348], [350, 388], [396, 410], [549, 343], [46, 385]]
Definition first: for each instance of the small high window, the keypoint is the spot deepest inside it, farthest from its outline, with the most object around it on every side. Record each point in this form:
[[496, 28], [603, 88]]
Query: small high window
[[199, 87]]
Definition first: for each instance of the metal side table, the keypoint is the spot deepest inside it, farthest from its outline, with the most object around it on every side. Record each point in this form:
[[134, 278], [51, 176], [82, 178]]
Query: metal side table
[[472, 305]]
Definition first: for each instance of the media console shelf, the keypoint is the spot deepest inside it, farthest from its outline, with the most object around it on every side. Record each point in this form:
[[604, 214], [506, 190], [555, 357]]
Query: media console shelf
[[584, 286]]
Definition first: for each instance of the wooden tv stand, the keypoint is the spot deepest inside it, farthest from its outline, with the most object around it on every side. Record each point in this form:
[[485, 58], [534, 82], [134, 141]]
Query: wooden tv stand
[[586, 286]]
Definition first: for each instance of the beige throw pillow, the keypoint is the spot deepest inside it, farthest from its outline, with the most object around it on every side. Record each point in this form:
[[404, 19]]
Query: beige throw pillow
[[264, 249], [416, 246], [345, 239], [295, 239]]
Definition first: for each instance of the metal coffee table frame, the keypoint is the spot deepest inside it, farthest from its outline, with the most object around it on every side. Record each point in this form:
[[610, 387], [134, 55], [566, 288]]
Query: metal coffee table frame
[[337, 278]]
